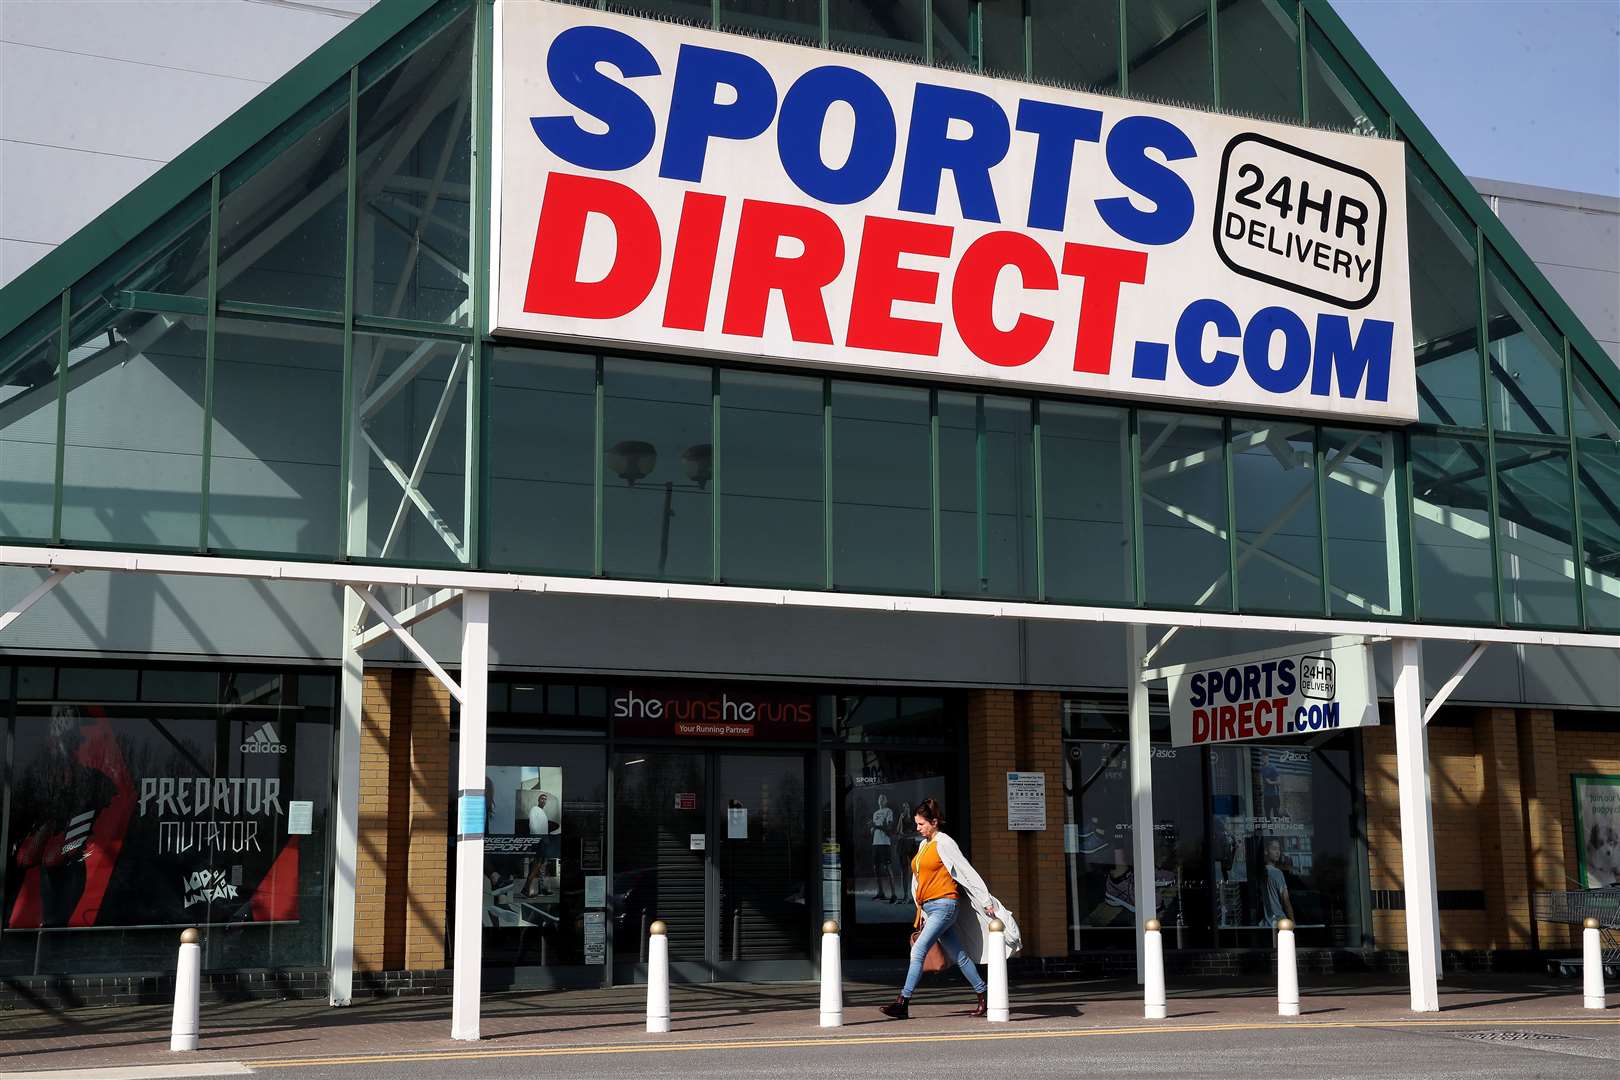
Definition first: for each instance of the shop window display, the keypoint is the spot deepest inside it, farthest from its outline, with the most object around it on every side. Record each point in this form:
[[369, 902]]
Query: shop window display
[[1244, 835], [128, 821]]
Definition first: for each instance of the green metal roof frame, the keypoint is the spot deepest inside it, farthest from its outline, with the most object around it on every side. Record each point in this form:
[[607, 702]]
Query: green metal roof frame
[[62, 267], [43, 283]]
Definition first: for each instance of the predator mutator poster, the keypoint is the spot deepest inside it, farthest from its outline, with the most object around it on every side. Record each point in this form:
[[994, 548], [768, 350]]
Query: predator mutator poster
[[141, 821]]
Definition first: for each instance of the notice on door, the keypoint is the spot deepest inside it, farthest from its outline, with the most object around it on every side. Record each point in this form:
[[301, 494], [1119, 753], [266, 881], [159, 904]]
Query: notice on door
[[596, 937], [736, 822], [1026, 801]]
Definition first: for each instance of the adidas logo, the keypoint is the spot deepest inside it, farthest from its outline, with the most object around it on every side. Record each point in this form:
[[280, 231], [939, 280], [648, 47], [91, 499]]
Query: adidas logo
[[264, 741]]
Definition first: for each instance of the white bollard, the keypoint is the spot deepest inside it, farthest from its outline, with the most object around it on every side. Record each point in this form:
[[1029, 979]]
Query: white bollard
[[1592, 965], [832, 977], [187, 992], [996, 1006], [1287, 970], [1153, 1006], [658, 977]]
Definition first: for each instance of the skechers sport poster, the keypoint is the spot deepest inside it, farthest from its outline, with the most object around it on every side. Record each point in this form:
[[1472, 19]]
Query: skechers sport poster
[[120, 820]]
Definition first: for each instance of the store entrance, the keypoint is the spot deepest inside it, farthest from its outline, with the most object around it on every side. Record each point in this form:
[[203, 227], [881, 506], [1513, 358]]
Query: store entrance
[[716, 845]]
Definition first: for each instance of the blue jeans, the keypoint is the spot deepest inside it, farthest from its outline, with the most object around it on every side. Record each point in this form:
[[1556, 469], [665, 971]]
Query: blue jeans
[[939, 924]]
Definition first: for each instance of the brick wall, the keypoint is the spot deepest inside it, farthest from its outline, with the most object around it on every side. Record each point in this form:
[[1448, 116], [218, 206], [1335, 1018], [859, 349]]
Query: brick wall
[[426, 887], [1544, 833], [1020, 732], [1579, 752], [1456, 785], [376, 941]]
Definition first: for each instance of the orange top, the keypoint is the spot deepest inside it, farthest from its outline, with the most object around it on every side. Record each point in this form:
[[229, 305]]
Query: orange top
[[934, 882]]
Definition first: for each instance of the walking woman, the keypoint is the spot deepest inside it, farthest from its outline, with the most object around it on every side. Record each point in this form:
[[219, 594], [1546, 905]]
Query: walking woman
[[938, 873]]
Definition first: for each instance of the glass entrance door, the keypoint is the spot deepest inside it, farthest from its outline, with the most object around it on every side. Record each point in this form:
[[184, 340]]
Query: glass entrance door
[[761, 861], [715, 845]]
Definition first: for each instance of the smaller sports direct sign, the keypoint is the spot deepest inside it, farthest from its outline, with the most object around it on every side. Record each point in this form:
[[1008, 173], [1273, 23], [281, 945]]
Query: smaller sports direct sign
[[1292, 691]]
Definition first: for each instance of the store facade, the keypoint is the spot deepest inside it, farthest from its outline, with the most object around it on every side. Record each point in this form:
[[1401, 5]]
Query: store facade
[[737, 538]]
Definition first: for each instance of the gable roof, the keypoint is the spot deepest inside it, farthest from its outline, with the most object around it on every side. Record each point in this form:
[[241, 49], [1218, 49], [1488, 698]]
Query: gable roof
[[42, 283]]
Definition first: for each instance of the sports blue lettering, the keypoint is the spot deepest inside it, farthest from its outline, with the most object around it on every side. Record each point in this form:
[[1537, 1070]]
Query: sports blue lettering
[[804, 115], [695, 116], [1056, 129], [1211, 371], [572, 67], [1287, 682], [1346, 362], [1172, 215], [1197, 690], [1296, 361], [930, 152]]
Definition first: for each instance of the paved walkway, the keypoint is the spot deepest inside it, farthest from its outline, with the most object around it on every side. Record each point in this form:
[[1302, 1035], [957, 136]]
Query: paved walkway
[[730, 1013]]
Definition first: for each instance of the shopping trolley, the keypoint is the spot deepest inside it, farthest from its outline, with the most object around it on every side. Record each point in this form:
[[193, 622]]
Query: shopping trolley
[[1575, 906]]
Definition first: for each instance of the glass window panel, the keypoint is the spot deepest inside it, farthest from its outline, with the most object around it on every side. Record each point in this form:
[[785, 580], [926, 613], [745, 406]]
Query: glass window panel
[[1169, 50], [547, 823], [657, 522], [1335, 97], [1085, 500], [987, 528], [1600, 530], [28, 388], [1445, 303], [282, 213], [1537, 542], [1001, 37], [882, 503], [952, 32], [415, 150], [885, 26], [410, 402], [277, 428], [771, 512], [1363, 531], [1076, 42], [1526, 359], [1259, 44], [132, 465], [1279, 554], [792, 19], [1184, 511], [542, 448], [698, 12], [1596, 412], [1451, 529]]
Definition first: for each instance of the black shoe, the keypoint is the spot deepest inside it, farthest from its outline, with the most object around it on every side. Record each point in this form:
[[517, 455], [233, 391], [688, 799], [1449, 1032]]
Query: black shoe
[[898, 1009], [982, 1008]]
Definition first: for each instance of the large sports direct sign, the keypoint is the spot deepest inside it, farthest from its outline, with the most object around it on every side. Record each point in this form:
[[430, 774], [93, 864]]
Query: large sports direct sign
[[691, 191]]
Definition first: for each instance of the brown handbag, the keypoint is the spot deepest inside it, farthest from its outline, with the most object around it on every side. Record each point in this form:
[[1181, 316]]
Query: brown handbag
[[935, 959]]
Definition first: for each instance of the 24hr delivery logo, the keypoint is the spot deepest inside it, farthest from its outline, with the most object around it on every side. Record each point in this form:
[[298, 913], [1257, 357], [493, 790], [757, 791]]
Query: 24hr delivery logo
[[682, 189]]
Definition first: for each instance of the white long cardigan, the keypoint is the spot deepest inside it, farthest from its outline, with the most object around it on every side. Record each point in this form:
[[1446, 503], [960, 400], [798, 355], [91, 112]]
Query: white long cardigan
[[974, 934]]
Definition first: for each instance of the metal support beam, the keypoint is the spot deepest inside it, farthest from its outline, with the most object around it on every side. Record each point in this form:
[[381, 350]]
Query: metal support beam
[[346, 845], [1417, 828], [1141, 761], [381, 611], [410, 616], [468, 937], [1452, 683], [34, 596]]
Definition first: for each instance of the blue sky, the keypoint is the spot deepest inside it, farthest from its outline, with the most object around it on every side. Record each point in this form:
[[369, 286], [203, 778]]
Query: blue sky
[[1519, 90]]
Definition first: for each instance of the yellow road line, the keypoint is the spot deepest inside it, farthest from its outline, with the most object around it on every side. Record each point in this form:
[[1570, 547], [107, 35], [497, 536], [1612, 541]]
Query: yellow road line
[[890, 1040]]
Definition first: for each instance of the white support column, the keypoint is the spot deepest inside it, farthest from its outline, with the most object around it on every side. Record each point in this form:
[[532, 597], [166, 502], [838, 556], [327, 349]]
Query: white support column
[[346, 844], [1141, 759], [1417, 827], [470, 816]]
